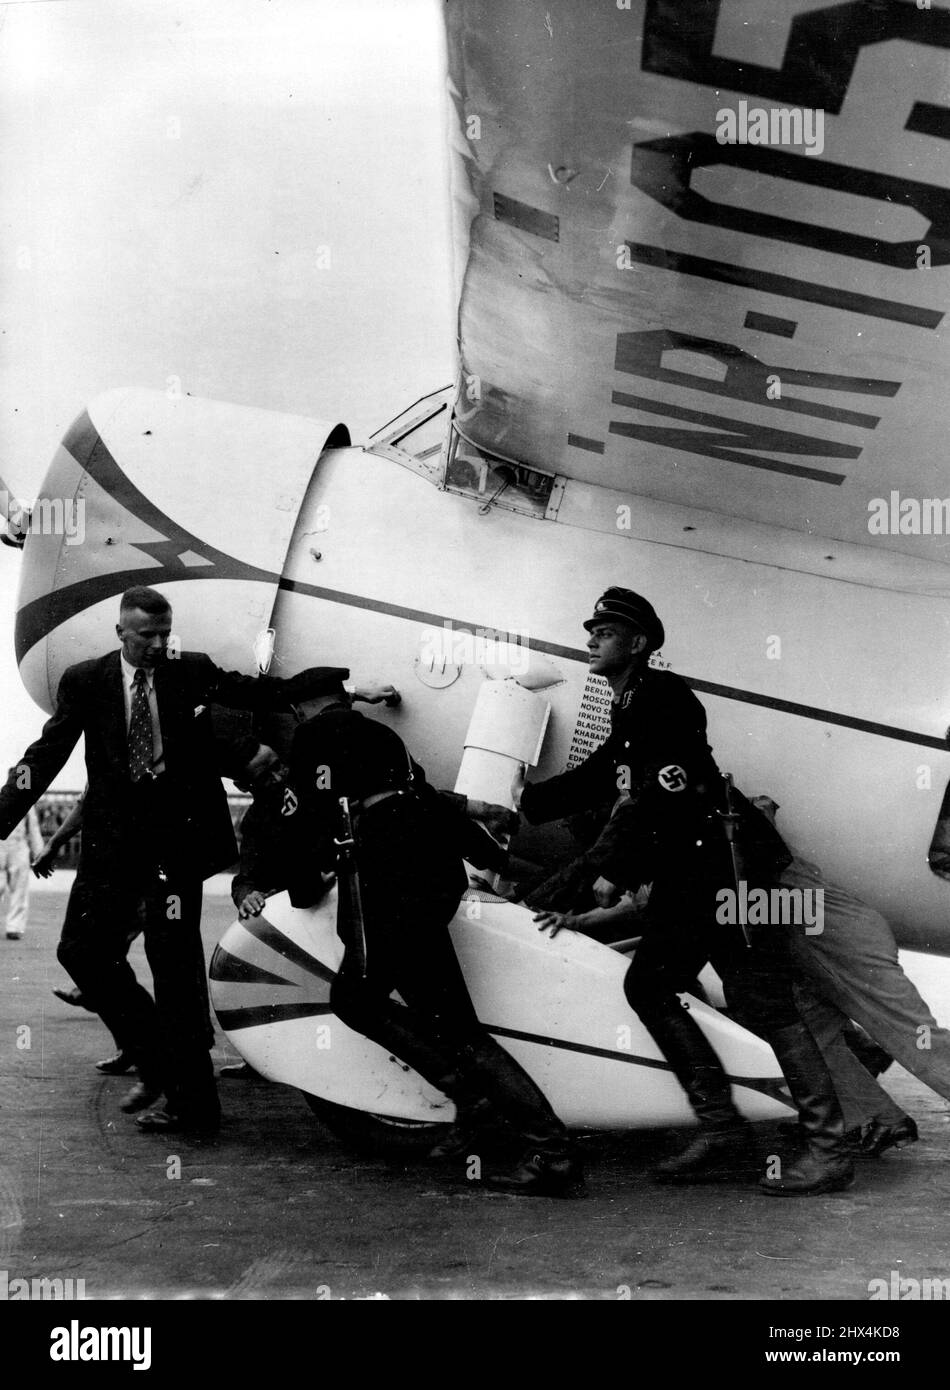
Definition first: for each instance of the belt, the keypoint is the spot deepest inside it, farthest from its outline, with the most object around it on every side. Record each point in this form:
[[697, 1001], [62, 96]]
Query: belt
[[374, 798]]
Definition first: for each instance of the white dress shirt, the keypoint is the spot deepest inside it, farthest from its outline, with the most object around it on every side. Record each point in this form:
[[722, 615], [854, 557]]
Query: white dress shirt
[[128, 685]]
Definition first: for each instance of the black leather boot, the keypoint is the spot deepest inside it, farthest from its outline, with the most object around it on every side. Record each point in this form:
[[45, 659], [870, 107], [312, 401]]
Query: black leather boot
[[824, 1164], [541, 1173], [852, 1141], [476, 1126], [723, 1151], [549, 1167]]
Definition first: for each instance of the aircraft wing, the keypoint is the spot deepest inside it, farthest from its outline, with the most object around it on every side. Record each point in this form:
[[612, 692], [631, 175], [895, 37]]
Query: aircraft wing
[[755, 328]]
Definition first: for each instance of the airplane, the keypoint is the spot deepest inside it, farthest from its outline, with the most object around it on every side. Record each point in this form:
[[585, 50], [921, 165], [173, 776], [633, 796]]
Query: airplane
[[700, 365]]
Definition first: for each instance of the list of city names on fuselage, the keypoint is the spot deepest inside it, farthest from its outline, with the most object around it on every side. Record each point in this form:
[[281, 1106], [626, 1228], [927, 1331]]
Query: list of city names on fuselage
[[593, 720]]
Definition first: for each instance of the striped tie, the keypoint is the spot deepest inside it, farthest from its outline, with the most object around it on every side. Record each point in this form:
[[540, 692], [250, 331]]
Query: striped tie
[[140, 729]]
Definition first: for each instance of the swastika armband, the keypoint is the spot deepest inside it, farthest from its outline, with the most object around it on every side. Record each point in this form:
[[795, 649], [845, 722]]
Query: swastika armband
[[672, 778]]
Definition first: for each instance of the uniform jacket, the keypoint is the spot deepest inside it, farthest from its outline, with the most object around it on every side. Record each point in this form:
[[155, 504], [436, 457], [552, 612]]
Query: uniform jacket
[[90, 702], [265, 850], [657, 763], [342, 753]]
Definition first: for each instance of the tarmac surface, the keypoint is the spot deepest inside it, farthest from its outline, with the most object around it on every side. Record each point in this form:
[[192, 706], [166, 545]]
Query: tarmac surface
[[279, 1209]]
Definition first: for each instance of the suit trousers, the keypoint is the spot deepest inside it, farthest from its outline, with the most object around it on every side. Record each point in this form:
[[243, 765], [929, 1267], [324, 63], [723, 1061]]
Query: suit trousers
[[167, 1035]]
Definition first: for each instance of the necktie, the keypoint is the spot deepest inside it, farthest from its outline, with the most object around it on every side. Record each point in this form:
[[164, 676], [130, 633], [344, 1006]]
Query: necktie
[[140, 729]]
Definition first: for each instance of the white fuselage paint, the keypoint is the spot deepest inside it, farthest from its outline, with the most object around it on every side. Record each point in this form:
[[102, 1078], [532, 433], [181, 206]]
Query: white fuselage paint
[[396, 555], [850, 800]]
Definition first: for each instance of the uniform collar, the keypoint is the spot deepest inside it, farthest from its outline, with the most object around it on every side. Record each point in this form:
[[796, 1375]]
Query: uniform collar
[[624, 698]]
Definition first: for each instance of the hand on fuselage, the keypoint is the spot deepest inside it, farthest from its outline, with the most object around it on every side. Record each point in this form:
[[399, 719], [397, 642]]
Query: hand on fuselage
[[555, 922], [252, 904], [497, 820], [378, 694]]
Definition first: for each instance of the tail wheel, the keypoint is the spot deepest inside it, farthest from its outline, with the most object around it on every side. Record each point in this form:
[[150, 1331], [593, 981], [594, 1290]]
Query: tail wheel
[[375, 1134]]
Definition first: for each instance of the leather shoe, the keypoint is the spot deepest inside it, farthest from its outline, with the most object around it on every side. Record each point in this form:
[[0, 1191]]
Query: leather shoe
[[541, 1175], [165, 1122], [239, 1071], [118, 1065], [142, 1095], [729, 1156], [71, 996], [811, 1174], [877, 1137]]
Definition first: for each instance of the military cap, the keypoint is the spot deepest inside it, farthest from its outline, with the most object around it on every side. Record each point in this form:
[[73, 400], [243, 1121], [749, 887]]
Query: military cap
[[633, 609], [315, 681]]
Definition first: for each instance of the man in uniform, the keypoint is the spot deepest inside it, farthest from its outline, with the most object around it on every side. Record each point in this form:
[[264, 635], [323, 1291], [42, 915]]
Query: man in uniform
[[410, 844], [668, 831]]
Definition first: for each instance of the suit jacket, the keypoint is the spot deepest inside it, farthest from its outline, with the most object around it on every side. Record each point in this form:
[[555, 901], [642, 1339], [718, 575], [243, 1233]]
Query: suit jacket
[[90, 701]]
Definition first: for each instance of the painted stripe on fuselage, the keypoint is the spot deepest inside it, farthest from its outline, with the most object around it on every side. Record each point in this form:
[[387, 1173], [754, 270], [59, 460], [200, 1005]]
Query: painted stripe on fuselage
[[253, 1016], [236, 971], [272, 936], [768, 1086], [233, 1020], [37, 619], [727, 692]]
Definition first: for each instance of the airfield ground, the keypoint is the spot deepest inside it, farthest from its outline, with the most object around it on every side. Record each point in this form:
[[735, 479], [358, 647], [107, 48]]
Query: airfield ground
[[279, 1209]]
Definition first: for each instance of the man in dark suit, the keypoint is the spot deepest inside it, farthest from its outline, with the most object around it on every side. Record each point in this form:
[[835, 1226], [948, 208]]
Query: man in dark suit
[[155, 823]]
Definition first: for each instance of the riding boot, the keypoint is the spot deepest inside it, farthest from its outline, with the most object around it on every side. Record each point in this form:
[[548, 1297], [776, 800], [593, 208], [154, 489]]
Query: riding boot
[[401, 1032], [549, 1167], [476, 1126], [477, 1123], [723, 1150], [824, 1164]]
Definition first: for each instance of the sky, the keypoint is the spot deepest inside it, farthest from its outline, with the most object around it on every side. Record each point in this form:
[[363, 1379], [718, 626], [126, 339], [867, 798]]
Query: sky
[[249, 195]]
